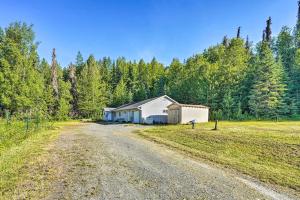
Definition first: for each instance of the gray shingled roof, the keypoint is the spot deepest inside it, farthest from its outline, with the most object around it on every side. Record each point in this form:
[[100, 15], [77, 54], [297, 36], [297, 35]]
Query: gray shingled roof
[[136, 105]]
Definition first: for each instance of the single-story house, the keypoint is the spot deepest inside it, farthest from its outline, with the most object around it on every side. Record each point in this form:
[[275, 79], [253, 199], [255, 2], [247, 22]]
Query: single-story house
[[185, 113], [107, 114], [150, 111], [158, 110]]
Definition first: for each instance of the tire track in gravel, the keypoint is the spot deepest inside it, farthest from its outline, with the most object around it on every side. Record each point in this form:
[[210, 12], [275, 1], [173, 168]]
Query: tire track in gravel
[[110, 162]]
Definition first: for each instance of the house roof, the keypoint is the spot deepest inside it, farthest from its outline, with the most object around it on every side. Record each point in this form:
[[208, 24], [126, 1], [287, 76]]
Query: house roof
[[108, 109], [188, 105], [136, 105]]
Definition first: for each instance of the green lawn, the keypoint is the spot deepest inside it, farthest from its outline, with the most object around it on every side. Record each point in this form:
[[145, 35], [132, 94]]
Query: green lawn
[[19, 150], [269, 151]]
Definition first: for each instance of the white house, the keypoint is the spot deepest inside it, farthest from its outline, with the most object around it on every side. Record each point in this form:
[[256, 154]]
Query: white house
[[150, 111], [158, 110], [185, 113]]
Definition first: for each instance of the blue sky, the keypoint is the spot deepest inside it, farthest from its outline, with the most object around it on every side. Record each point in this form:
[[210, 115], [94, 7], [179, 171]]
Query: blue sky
[[142, 28]]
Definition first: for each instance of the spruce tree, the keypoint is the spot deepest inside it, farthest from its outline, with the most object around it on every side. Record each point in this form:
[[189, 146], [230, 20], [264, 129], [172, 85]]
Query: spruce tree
[[266, 98], [79, 64], [269, 30], [238, 35], [286, 54], [92, 90], [247, 44], [121, 94], [297, 29]]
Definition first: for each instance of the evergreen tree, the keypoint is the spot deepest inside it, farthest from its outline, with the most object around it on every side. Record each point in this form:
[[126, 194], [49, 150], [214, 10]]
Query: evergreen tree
[[267, 94], [247, 44], [286, 54], [121, 94], [174, 79], [268, 30], [92, 90], [297, 29], [238, 35], [79, 64]]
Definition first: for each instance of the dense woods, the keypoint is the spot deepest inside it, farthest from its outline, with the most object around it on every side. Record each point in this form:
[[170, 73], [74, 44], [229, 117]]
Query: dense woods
[[236, 79]]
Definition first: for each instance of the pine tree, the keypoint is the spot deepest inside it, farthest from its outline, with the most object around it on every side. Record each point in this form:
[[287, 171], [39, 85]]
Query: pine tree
[[121, 94], [297, 29], [1, 35], [286, 54], [267, 94], [247, 44], [268, 30], [295, 78], [79, 64], [92, 90], [238, 32]]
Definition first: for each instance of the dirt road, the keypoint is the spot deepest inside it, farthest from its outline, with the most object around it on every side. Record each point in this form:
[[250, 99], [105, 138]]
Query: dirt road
[[111, 162]]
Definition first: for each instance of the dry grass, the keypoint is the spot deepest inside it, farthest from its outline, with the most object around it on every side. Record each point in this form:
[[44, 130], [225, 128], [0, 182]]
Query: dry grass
[[269, 151], [20, 153]]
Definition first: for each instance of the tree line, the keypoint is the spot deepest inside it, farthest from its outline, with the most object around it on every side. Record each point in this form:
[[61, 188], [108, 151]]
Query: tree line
[[236, 79]]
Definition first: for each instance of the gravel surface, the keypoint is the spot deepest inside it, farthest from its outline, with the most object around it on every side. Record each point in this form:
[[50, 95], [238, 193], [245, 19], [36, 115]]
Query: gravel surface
[[111, 162]]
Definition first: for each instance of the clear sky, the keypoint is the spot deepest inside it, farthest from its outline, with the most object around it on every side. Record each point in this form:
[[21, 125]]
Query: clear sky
[[142, 28]]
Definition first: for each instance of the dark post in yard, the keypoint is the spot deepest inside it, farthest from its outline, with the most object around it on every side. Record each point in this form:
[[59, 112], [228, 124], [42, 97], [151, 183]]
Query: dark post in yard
[[216, 125]]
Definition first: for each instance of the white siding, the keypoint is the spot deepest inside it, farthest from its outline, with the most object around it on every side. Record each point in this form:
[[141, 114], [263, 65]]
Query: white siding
[[193, 113], [155, 111]]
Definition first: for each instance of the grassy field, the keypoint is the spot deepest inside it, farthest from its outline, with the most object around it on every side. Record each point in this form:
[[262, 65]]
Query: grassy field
[[19, 149], [269, 151]]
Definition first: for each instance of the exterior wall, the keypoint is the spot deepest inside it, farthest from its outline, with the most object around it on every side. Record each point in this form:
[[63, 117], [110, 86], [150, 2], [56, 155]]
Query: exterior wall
[[192, 113], [107, 116], [136, 117], [174, 115], [155, 111], [127, 116]]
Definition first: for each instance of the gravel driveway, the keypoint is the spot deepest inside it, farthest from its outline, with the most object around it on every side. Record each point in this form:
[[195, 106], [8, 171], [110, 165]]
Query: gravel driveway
[[120, 165]]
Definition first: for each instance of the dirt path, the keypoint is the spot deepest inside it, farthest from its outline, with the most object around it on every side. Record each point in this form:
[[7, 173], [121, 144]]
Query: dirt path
[[111, 162]]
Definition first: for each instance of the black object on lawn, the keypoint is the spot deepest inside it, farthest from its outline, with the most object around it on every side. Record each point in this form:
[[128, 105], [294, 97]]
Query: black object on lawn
[[193, 124], [216, 125]]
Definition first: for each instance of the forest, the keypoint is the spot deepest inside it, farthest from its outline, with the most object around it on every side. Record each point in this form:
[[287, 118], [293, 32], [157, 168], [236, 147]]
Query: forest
[[237, 79]]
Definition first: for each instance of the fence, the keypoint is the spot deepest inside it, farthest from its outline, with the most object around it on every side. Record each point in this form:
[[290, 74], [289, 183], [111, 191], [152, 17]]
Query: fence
[[14, 130]]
